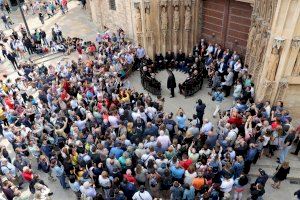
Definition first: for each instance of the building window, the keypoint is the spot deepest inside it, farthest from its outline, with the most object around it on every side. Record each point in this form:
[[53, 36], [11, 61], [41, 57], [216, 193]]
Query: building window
[[112, 4]]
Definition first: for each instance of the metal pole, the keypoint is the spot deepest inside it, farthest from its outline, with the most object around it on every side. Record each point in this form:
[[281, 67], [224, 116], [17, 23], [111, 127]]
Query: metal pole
[[23, 16]]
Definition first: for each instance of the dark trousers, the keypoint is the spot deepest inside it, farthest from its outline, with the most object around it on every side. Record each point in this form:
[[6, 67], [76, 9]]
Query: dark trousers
[[226, 90], [172, 92], [29, 49], [247, 166], [14, 63], [298, 147]]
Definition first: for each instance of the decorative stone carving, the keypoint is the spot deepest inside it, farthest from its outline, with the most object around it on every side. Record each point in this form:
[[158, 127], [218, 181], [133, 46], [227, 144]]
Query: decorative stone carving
[[139, 38], [260, 53], [274, 58], [281, 91], [273, 64], [147, 16], [296, 42], [278, 42], [176, 18], [296, 69], [252, 33], [164, 18], [268, 87], [187, 18], [271, 10], [138, 18]]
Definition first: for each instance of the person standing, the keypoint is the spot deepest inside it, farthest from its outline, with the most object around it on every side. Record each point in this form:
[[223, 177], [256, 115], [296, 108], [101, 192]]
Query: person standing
[[280, 174], [286, 146], [43, 36], [5, 21], [200, 109], [41, 17], [12, 58], [218, 97], [228, 82], [142, 194], [171, 84]]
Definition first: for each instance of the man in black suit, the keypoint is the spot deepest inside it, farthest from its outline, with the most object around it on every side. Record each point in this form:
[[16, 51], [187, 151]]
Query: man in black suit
[[180, 60], [171, 84]]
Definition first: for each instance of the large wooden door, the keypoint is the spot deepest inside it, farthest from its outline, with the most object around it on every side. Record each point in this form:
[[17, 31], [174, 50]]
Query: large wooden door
[[227, 22]]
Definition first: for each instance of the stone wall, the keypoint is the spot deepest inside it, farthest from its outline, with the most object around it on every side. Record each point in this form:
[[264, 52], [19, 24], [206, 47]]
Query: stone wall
[[273, 54], [102, 15]]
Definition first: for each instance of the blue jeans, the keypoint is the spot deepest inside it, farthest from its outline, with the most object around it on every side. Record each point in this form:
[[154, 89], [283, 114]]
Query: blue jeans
[[283, 153], [62, 180]]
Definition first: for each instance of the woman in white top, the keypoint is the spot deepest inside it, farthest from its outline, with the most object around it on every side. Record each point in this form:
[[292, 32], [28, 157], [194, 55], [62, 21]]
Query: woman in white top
[[227, 184], [105, 183]]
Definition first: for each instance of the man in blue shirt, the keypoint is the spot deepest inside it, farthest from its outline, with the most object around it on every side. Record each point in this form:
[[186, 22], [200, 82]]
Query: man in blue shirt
[[117, 151], [177, 173], [250, 157], [181, 120], [58, 171]]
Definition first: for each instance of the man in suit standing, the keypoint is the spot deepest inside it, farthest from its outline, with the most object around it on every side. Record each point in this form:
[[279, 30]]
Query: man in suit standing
[[171, 84], [228, 82]]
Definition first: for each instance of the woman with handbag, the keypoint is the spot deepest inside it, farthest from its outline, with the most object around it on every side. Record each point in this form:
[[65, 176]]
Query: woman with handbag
[[280, 174]]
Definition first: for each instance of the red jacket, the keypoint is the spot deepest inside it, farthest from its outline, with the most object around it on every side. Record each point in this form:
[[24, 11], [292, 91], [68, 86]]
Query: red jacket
[[185, 164]]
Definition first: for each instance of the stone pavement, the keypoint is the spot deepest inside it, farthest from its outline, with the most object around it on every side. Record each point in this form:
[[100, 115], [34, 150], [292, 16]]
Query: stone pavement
[[76, 23]]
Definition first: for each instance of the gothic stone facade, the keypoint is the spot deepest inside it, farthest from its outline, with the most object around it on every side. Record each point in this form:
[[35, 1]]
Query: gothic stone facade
[[266, 32]]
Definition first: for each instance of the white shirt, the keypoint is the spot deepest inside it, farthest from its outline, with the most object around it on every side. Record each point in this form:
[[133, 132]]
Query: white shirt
[[237, 66], [142, 196], [226, 185], [164, 140], [104, 182], [113, 121]]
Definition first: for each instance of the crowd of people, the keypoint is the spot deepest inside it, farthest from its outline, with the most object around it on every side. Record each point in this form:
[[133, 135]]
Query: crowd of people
[[82, 123]]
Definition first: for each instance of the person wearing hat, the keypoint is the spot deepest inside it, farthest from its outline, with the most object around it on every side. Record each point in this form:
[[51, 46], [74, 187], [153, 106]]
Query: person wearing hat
[[142, 194]]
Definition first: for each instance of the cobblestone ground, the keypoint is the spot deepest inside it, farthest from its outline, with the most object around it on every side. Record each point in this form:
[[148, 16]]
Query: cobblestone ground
[[76, 23]]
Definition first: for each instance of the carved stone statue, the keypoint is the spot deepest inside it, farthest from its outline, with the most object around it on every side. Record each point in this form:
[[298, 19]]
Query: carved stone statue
[[262, 50], [176, 22], [273, 64], [187, 18], [138, 19], [164, 18], [147, 19]]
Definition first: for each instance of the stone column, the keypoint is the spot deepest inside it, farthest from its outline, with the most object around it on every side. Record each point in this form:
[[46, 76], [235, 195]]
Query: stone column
[[281, 90], [163, 25], [138, 23], [149, 43], [274, 58], [176, 26], [293, 68], [252, 33], [187, 26]]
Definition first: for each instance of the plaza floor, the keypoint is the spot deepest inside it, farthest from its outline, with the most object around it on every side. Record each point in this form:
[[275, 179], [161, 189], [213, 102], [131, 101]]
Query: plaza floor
[[76, 23]]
